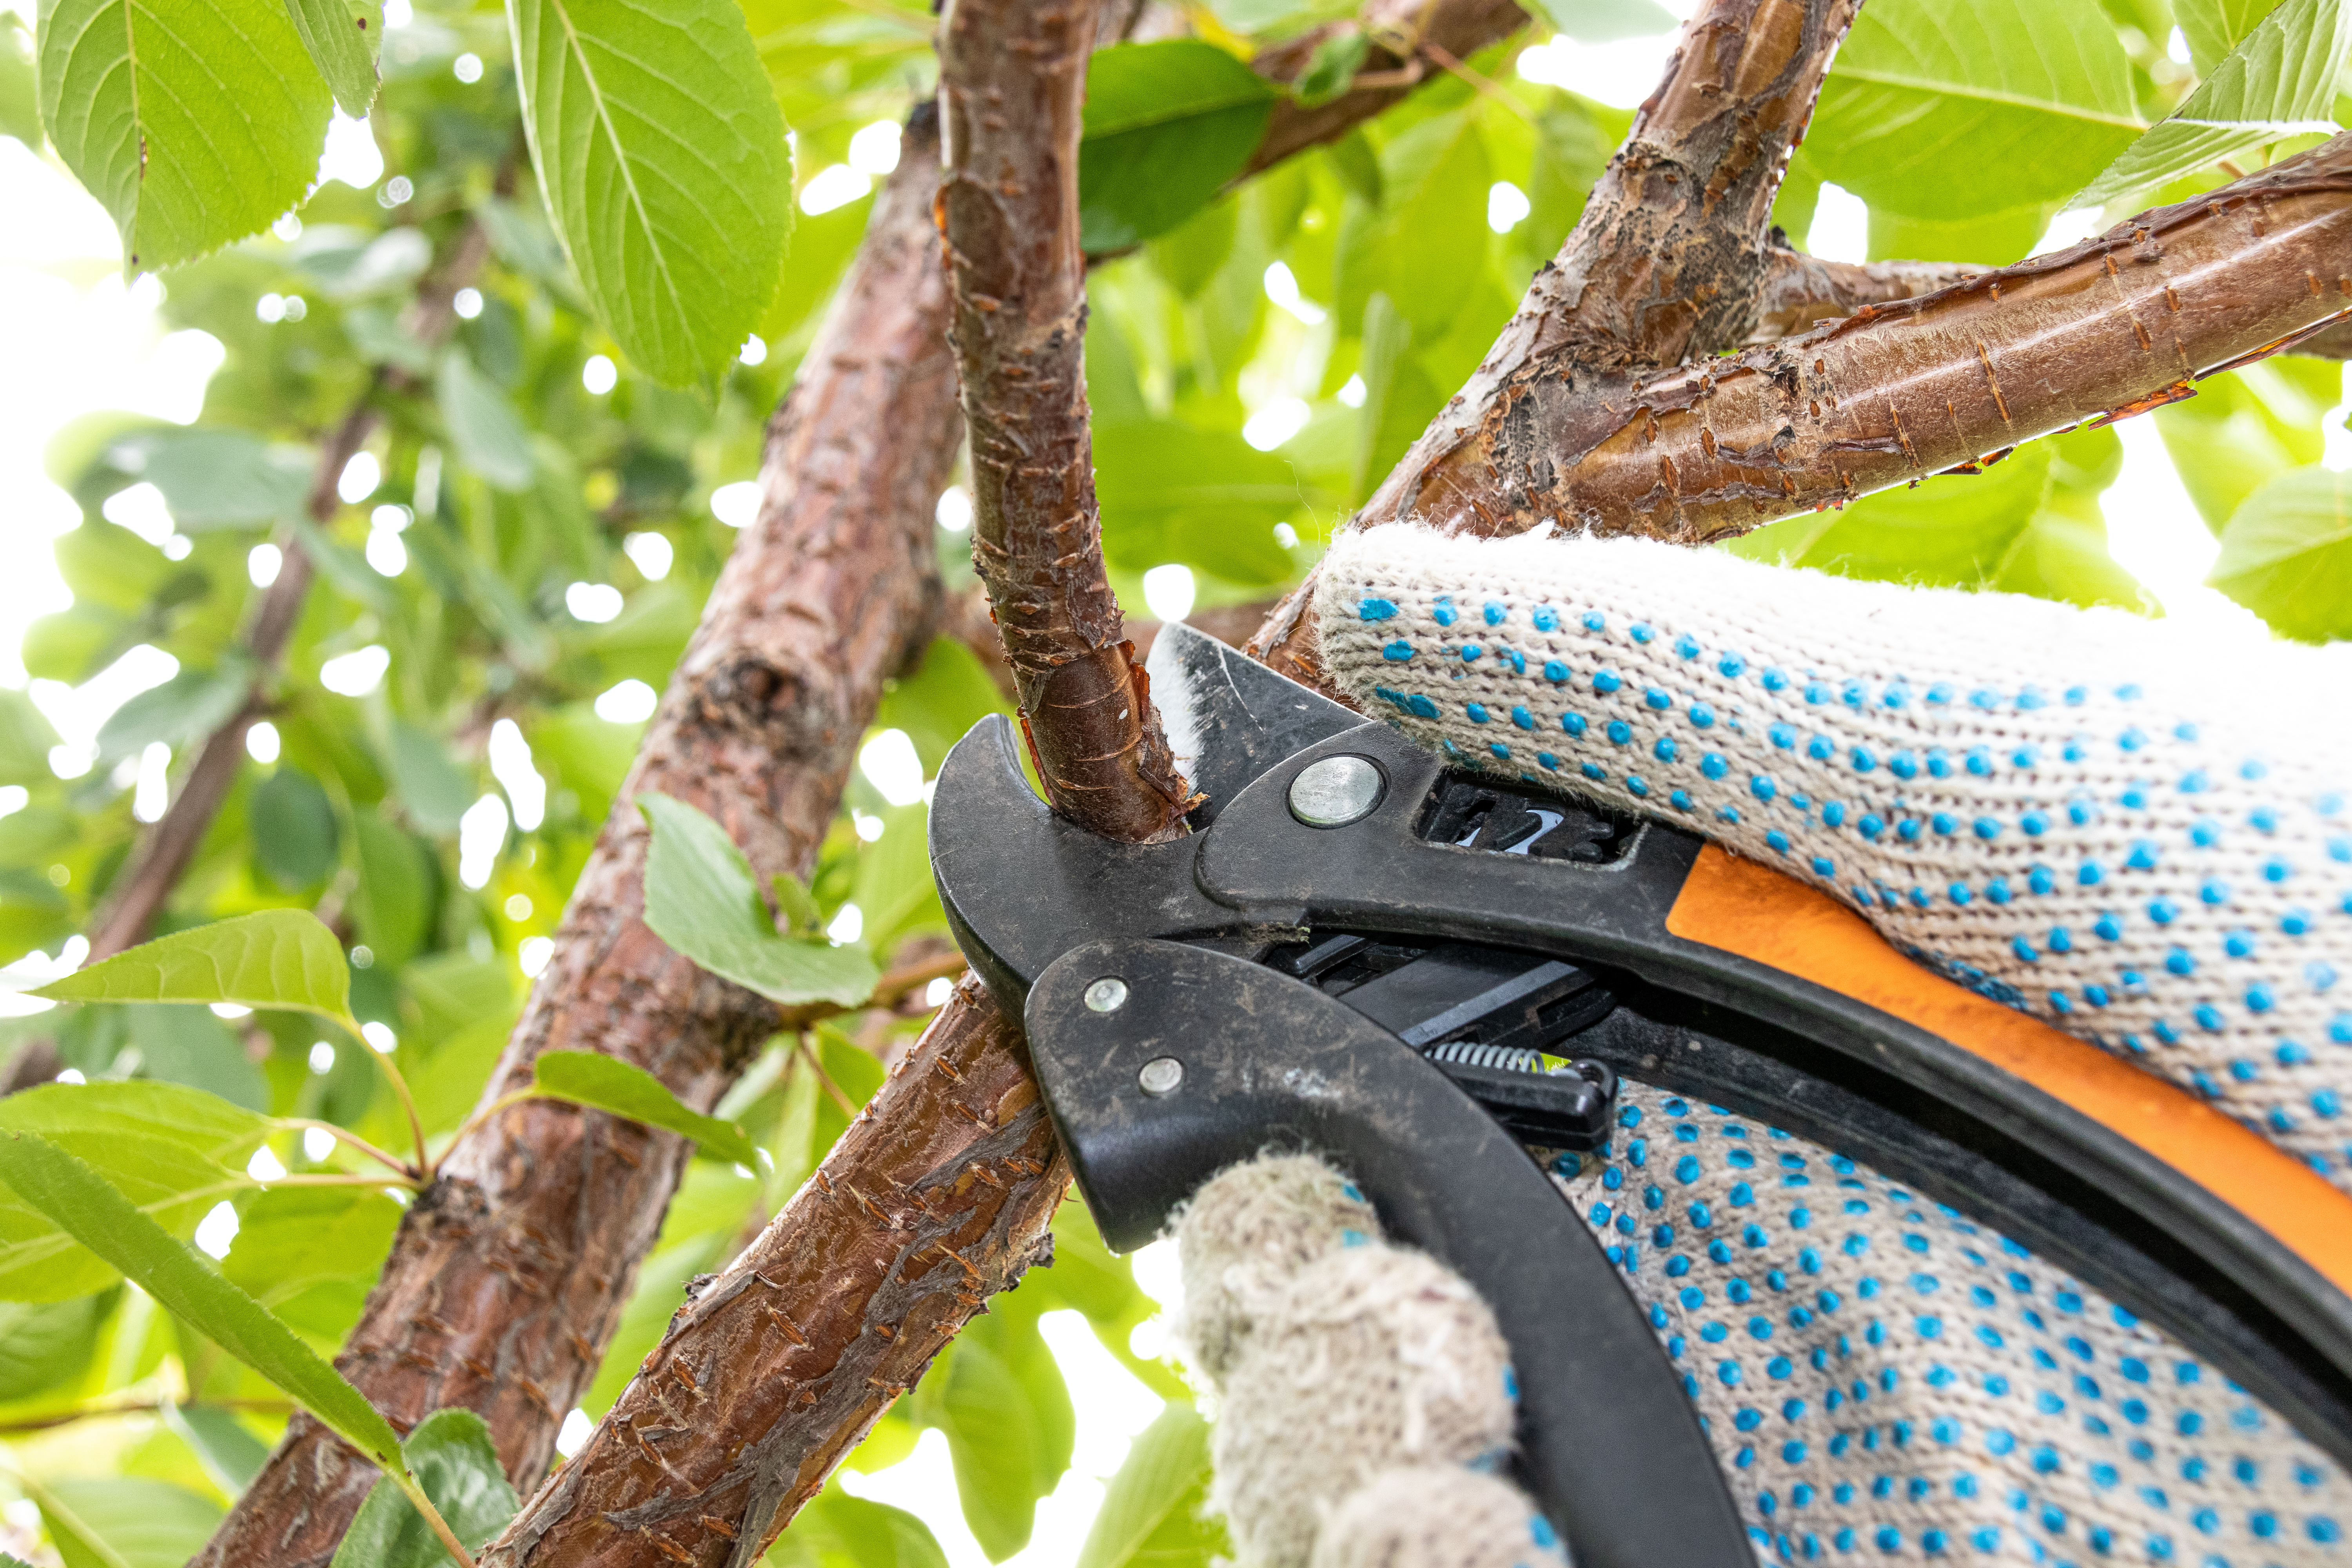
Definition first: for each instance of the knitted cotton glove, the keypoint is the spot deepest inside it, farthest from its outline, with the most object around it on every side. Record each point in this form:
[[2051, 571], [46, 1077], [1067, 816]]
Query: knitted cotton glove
[[1342, 1364], [2135, 835], [2140, 841]]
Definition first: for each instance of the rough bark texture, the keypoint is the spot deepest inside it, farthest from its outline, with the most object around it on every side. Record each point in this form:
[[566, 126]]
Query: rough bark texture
[[1802, 292], [2110, 327], [1012, 80], [939, 1196], [508, 1274], [1412, 39]]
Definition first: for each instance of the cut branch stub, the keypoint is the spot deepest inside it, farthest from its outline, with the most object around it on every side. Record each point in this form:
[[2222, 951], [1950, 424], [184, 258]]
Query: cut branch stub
[[1012, 81], [1893, 394]]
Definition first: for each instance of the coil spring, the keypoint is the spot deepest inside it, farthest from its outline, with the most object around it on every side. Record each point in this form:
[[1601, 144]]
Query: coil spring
[[1470, 1052]]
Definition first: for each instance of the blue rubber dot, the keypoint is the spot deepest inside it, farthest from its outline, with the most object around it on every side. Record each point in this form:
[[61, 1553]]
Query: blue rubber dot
[[1555, 672]]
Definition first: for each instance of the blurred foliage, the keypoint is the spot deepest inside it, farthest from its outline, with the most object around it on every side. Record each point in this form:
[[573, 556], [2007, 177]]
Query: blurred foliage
[[525, 543]]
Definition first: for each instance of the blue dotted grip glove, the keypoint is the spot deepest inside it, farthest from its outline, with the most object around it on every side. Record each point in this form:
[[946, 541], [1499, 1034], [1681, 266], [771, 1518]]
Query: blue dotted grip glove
[[2142, 839]]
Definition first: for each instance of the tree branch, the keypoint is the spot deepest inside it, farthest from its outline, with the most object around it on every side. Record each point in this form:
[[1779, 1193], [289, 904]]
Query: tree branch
[[1802, 292], [509, 1274], [1012, 80], [938, 1196], [2109, 328], [1395, 63]]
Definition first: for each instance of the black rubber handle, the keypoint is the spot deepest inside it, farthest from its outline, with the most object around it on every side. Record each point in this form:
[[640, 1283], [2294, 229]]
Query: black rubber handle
[[1609, 1444]]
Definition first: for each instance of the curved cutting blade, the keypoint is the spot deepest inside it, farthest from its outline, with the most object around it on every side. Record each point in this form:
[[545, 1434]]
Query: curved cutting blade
[[1228, 717]]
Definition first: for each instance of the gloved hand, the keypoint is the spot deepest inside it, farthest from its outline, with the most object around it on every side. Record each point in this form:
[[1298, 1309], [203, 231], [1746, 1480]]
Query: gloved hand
[[2138, 838], [1364, 1393]]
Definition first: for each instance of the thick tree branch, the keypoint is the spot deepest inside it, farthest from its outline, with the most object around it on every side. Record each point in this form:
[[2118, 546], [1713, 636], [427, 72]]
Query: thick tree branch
[[508, 1276], [1889, 395], [1012, 80], [938, 1196]]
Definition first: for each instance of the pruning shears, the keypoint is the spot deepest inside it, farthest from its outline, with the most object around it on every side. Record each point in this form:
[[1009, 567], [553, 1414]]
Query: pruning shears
[[1436, 978]]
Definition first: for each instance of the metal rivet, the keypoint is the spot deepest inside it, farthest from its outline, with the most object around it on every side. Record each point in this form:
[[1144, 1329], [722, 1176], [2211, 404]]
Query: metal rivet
[[1335, 791], [1160, 1075], [1107, 994]]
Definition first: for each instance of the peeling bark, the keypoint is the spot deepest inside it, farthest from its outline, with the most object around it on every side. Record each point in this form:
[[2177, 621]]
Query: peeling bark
[[1012, 80], [2107, 328], [1802, 292], [508, 1277], [936, 1196]]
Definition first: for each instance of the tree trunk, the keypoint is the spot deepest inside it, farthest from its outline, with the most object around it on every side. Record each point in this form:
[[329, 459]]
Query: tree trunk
[[508, 1276]]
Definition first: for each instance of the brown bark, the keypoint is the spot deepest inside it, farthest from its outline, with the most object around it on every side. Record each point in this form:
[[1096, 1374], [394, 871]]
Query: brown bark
[[938, 1196], [2110, 327], [1802, 292], [508, 1276], [1012, 81], [1411, 40]]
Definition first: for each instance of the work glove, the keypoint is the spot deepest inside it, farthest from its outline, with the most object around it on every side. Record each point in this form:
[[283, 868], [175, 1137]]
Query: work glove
[[2140, 838]]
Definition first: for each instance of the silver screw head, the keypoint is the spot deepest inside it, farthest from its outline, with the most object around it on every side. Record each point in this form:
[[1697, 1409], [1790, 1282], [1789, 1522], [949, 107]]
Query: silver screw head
[[1106, 995], [1335, 791], [1159, 1076]]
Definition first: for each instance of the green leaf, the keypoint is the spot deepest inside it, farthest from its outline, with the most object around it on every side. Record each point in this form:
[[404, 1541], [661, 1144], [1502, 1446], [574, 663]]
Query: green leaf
[[1167, 124], [1604, 21], [701, 898], [2279, 81], [194, 702], [131, 1522], [193, 123], [81, 1203], [1151, 1511], [230, 1454], [276, 957], [661, 153], [293, 825], [2214, 27], [2287, 555], [433, 788], [607, 1083], [2247, 427], [1425, 247], [1171, 493], [217, 479], [394, 902], [20, 106], [481, 424], [342, 37], [1953, 532], [453, 1458], [26, 739], [992, 1422], [42, 1344], [289, 1238], [940, 703], [188, 1045], [838, 1530], [1332, 68], [1947, 112]]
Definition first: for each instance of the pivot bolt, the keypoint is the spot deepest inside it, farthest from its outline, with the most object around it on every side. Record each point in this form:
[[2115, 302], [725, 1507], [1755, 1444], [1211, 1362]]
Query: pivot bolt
[[1107, 995], [1335, 791], [1160, 1076]]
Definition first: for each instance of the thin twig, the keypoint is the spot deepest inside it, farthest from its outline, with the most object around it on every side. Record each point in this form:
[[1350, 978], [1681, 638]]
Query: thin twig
[[808, 1054], [346, 1135]]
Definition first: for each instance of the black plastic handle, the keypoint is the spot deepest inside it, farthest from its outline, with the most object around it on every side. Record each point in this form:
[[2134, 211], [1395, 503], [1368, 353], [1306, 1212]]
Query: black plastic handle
[[1609, 1444]]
